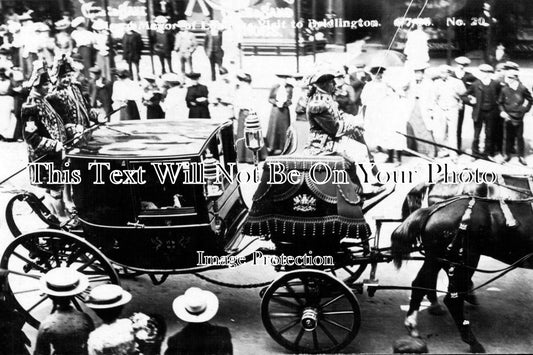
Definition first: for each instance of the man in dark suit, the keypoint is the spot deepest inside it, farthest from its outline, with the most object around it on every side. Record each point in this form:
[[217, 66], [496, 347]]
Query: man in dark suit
[[213, 47], [198, 337], [100, 91], [196, 98], [483, 95], [515, 101], [132, 46], [467, 78]]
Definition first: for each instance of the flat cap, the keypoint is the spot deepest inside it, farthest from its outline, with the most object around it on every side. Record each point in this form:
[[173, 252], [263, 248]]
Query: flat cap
[[486, 68], [463, 60]]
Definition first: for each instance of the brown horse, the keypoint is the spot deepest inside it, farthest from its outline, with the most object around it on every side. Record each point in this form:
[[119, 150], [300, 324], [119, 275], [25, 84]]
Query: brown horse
[[509, 187], [453, 235]]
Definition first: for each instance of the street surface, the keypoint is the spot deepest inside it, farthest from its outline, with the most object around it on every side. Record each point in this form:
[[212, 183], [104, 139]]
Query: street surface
[[502, 322]]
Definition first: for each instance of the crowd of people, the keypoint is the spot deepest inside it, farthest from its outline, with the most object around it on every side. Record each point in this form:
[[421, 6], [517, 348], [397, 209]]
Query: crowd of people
[[68, 330]]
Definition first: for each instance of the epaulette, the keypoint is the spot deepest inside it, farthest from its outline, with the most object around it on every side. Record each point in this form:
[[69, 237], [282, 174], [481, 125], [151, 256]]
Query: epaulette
[[317, 105]]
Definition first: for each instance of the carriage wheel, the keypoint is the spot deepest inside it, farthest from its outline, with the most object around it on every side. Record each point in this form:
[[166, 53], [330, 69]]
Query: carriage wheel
[[25, 212], [34, 254], [309, 311]]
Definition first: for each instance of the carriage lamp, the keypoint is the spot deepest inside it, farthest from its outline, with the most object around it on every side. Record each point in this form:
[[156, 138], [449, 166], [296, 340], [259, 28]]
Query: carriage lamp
[[253, 135], [213, 185]]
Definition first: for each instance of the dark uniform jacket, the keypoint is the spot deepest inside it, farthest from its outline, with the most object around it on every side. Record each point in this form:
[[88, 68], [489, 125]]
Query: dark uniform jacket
[[200, 339], [66, 330], [73, 108], [43, 129], [491, 94], [164, 43], [100, 95], [132, 46], [197, 109], [512, 101], [326, 123]]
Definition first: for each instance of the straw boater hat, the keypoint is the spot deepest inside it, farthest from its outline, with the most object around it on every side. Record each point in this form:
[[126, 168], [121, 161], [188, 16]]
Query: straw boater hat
[[243, 76], [78, 21], [486, 68], [420, 66], [99, 25], [62, 24], [193, 76], [41, 27], [463, 61], [171, 78], [64, 282], [196, 305], [107, 296], [160, 20]]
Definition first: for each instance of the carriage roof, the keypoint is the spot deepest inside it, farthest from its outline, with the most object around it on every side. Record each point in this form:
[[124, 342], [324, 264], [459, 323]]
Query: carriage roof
[[150, 139]]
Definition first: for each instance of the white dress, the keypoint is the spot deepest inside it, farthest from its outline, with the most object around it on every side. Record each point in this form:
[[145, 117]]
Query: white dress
[[383, 116], [8, 120]]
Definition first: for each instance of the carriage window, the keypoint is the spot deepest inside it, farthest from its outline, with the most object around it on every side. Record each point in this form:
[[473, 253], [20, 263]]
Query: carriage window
[[167, 196]]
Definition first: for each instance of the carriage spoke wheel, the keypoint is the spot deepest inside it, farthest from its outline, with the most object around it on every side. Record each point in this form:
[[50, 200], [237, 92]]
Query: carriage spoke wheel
[[34, 254], [309, 311], [26, 213]]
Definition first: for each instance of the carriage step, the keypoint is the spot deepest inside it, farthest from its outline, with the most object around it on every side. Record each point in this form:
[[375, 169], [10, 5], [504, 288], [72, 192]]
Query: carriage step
[[371, 286]]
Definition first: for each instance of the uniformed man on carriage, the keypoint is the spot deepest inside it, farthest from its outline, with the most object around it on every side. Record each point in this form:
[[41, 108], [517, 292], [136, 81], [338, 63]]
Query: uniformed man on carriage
[[45, 134], [334, 132], [68, 101]]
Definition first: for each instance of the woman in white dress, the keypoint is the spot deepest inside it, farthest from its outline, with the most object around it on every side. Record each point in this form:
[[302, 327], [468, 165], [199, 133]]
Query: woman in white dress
[[8, 121], [383, 117]]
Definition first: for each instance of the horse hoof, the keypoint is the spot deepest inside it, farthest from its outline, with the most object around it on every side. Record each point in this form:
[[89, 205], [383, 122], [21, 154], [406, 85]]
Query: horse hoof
[[437, 310], [409, 345], [412, 331], [472, 299], [477, 348]]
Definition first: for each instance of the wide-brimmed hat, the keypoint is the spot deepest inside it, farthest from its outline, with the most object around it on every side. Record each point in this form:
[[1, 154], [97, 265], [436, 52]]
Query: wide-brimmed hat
[[25, 17], [41, 27], [420, 66], [148, 77], [78, 21], [160, 20], [64, 282], [99, 25], [107, 296], [377, 70], [193, 75], [463, 61], [196, 305], [243, 76], [445, 68], [322, 76], [511, 66], [486, 68], [282, 75], [62, 24], [171, 78]]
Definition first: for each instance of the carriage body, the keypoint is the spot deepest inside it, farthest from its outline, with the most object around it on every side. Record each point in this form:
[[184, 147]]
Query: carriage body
[[150, 222]]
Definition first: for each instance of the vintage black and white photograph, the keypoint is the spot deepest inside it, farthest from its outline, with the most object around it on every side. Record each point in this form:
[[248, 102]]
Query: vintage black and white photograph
[[266, 177]]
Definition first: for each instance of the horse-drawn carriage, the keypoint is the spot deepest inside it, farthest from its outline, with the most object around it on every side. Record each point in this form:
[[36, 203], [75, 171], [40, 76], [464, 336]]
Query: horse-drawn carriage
[[150, 196], [147, 201]]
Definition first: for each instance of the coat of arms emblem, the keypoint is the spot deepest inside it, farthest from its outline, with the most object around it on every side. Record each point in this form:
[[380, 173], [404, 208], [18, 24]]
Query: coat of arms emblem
[[304, 203]]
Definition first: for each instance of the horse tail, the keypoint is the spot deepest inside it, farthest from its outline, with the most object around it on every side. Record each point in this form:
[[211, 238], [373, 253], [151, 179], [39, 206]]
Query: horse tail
[[404, 237]]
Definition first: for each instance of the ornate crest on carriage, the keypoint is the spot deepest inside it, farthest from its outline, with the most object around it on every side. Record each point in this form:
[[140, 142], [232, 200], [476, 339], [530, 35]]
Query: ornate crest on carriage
[[304, 203]]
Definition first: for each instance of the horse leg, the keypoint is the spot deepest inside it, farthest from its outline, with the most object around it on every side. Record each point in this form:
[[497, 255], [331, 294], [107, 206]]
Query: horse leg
[[436, 308], [422, 280], [454, 300]]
